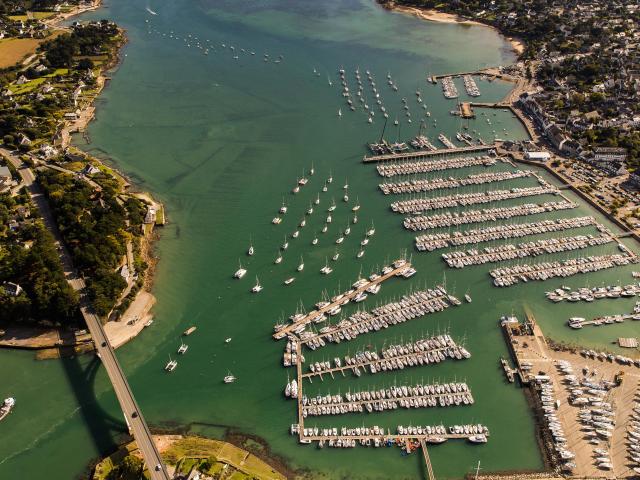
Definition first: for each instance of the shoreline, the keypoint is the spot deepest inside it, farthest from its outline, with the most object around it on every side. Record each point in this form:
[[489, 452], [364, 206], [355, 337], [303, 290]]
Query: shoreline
[[436, 16], [58, 342]]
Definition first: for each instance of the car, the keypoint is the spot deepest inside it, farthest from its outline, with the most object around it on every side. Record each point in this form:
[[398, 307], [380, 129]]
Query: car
[[158, 468], [134, 415], [104, 344]]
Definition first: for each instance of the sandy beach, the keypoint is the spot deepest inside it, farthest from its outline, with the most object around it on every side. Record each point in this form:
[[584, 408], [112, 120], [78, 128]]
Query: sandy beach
[[442, 17]]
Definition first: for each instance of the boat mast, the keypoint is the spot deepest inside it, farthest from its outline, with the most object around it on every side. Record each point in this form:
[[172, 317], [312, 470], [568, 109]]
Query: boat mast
[[384, 127]]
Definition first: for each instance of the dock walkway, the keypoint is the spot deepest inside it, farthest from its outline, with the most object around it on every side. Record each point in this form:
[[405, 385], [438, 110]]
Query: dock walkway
[[342, 301], [389, 157]]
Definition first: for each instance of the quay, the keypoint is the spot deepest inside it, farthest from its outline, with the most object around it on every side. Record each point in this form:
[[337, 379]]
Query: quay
[[399, 267], [390, 157]]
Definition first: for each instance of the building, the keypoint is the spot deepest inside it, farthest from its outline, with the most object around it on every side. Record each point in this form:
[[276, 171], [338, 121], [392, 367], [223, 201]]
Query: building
[[609, 154], [537, 156]]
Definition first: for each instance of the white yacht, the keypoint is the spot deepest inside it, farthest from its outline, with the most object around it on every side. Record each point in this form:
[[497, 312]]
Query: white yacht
[[371, 231], [257, 287], [301, 266], [289, 280], [360, 253], [325, 228], [240, 272], [285, 245], [229, 378], [6, 407], [339, 240], [315, 240], [251, 251], [278, 259], [335, 256], [317, 202]]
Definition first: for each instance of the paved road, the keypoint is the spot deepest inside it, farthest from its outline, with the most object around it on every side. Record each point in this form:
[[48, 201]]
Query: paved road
[[130, 408]]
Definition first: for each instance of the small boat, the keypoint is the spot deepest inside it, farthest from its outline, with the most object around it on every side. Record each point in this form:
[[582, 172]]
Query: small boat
[[227, 340], [229, 378], [347, 230], [324, 188], [330, 179], [346, 185], [326, 270], [325, 228], [360, 254], [317, 202], [328, 219], [276, 220], [257, 287], [315, 240], [339, 240], [240, 272], [339, 112], [467, 297], [183, 348], [356, 207], [278, 259], [283, 208], [171, 365], [335, 256], [364, 241], [345, 198], [148, 323], [310, 209], [289, 280], [6, 407], [355, 219], [189, 331], [301, 266], [251, 251], [295, 234], [332, 207]]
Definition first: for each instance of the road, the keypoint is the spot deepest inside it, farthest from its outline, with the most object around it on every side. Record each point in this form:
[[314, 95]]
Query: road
[[132, 413]]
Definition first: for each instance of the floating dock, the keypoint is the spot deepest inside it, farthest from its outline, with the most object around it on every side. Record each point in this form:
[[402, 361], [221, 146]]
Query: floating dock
[[394, 157]]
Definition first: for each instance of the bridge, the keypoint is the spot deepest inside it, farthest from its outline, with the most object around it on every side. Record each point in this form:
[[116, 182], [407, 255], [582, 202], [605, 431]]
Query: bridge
[[132, 413], [426, 153]]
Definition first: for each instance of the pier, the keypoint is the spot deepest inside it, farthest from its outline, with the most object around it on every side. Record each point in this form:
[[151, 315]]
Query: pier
[[427, 460], [415, 305], [436, 165], [391, 157], [422, 352], [400, 267], [501, 232], [426, 222]]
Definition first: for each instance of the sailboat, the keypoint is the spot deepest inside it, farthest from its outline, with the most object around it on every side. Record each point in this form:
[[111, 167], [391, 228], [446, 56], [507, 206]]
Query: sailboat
[[289, 280], [371, 231], [339, 112], [229, 377], [360, 253], [301, 266], [171, 365], [285, 245], [330, 179], [278, 259], [356, 207], [467, 297], [240, 272], [315, 240], [257, 287], [317, 202], [347, 230], [335, 256], [183, 348], [326, 270], [310, 209], [250, 252], [329, 80]]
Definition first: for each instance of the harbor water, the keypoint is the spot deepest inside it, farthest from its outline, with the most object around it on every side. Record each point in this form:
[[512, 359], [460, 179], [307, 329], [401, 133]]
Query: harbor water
[[222, 141]]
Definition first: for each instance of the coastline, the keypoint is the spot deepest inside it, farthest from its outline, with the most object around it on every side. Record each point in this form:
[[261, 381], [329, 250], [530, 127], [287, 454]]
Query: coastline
[[441, 17], [51, 342]]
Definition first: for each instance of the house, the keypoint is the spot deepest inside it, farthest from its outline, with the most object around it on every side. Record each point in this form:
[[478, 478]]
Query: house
[[5, 174], [150, 217], [12, 289], [90, 169], [47, 151], [21, 80]]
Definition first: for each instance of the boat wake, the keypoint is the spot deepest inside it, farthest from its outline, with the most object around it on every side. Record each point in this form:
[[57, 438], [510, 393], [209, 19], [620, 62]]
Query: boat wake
[[41, 437], [148, 9]]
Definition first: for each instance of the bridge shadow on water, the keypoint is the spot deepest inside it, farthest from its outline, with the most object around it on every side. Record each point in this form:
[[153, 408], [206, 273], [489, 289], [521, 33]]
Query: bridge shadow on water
[[106, 430]]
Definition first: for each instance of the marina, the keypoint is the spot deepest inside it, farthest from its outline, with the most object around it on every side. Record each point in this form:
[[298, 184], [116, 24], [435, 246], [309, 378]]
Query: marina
[[507, 276], [433, 165], [449, 88], [392, 398], [409, 307], [588, 294], [432, 242], [415, 186], [425, 351], [448, 219], [420, 205], [461, 259], [400, 267]]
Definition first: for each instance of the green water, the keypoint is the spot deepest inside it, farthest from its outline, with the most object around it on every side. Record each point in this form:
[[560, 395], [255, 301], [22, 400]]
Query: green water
[[221, 141]]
